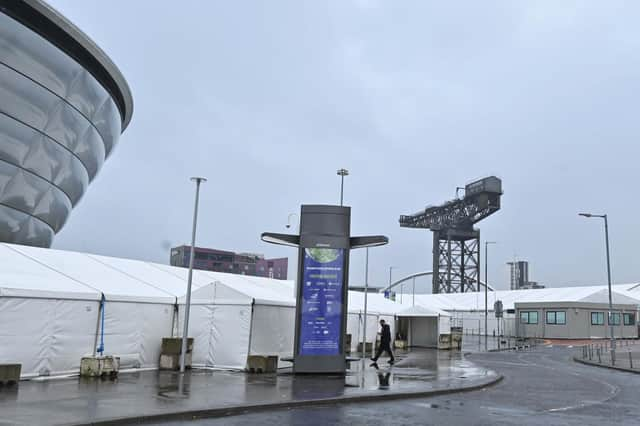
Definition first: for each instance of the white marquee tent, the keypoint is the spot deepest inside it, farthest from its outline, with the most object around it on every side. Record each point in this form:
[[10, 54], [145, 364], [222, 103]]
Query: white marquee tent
[[423, 326], [50, 311]]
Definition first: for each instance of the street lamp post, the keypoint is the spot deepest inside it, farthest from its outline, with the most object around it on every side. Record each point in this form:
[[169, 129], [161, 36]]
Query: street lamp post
[[486, 295], [185, 330], [342, 173], [391, 268], [413, 291], [366, 292], [606, 238]]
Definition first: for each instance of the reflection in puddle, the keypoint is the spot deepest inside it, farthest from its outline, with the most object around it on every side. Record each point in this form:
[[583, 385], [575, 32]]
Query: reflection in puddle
[[414, 367], [383, 380], [173, 385]]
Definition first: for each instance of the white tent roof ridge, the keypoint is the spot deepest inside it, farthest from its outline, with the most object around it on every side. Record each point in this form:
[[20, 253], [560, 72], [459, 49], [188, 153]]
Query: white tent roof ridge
[[421, 311], [618, 298], [96, 259], [13, 247], [474, 301], [168, 272]]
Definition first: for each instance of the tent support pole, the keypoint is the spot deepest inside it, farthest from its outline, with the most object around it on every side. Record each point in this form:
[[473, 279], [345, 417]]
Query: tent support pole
[[174, 318], [95, 337], [253, 302]]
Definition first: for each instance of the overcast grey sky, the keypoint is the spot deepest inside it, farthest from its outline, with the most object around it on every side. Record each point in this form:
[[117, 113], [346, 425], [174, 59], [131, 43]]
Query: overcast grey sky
[[268, 98]]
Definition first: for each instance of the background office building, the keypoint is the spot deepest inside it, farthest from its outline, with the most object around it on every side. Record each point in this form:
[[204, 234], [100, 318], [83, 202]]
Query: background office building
[[63, 106], [519, 276], [230, 262]]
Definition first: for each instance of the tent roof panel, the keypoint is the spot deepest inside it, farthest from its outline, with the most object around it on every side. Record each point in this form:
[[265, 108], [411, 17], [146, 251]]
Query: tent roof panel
[[419, 311], [22, 275]]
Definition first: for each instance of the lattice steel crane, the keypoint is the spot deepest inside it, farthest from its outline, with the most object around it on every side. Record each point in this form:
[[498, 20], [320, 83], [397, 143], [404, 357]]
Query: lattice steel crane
[[456, 244]]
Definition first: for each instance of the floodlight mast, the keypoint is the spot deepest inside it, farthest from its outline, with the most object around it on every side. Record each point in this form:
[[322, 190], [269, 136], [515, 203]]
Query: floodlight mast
[[606, 239]]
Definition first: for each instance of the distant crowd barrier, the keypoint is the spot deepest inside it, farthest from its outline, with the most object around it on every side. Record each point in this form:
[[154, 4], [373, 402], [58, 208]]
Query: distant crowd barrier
[[625, 355]]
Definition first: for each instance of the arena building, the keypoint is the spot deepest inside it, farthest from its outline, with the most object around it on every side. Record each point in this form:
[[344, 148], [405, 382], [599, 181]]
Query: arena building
[[63, 106]]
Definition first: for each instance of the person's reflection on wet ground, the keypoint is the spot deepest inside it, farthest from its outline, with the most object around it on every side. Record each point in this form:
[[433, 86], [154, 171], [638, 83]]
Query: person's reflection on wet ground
[[383, 377]]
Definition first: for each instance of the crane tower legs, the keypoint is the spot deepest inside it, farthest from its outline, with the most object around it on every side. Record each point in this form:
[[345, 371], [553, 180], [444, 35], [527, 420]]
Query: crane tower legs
[[456, 261]]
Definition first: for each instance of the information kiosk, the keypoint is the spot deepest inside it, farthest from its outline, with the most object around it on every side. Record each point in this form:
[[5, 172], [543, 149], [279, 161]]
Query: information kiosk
[[322, 285]]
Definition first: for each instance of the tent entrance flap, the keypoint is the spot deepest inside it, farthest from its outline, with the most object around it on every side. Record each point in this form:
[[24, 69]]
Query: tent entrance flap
[[423, 332]]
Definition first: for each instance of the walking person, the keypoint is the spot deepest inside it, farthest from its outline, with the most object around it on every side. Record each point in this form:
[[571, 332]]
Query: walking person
[[385, 343]]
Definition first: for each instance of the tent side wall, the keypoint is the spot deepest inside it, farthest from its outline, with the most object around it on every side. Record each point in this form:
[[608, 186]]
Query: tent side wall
[[423, 332], [47, 336], [273, 331], [134, 331], [355, 326], [230, 336], [220, 332], [200, 328]]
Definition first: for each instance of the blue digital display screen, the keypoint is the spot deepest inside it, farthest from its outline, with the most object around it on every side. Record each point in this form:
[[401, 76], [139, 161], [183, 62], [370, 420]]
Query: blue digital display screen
[[321, 318]]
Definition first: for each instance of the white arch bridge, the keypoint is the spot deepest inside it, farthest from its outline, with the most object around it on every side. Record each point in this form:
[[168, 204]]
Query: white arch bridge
[[418, 275]]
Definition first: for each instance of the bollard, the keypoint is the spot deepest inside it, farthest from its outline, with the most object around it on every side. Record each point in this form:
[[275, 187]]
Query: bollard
[[590, 351], [599, 358], [630, 361], [613, 357]]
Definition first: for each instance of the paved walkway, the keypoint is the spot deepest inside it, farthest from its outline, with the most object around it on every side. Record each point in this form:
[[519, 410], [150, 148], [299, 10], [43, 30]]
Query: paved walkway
[[153, 395]]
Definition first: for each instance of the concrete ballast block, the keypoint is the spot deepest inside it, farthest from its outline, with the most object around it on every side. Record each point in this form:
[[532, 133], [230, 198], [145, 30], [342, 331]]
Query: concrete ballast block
[[172, 362], [170, 352], [262, 363], [368, 347], [400, 344], [99, 366], [173, 345], [10, 373]]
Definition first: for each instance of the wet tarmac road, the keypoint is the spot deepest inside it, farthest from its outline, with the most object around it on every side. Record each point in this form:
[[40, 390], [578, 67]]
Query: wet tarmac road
[[541, 387]]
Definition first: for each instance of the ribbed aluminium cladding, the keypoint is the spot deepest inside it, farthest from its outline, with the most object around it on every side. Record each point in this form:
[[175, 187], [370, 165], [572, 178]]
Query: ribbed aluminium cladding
[[58, 124]]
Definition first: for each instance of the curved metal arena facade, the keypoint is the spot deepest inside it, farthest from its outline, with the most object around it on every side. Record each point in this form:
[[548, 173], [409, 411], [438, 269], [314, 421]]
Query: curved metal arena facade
[[63, 106]]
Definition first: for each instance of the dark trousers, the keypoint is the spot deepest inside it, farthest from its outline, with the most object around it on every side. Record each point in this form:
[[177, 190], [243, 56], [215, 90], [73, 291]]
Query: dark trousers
[[386, 347]]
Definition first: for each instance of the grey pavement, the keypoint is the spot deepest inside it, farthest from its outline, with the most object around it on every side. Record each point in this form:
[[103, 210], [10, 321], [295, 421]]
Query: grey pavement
[[145, 396], [541, 387]]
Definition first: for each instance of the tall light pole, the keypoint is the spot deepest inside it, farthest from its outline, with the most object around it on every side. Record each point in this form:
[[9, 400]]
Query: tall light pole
[[486, 291], [414, 292], [366, 292], [342, 173], [606, 238], [185, 330], [391, 268]]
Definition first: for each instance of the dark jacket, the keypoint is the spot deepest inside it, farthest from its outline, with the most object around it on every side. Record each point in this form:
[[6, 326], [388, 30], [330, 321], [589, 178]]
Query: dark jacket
[[385, 335]]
